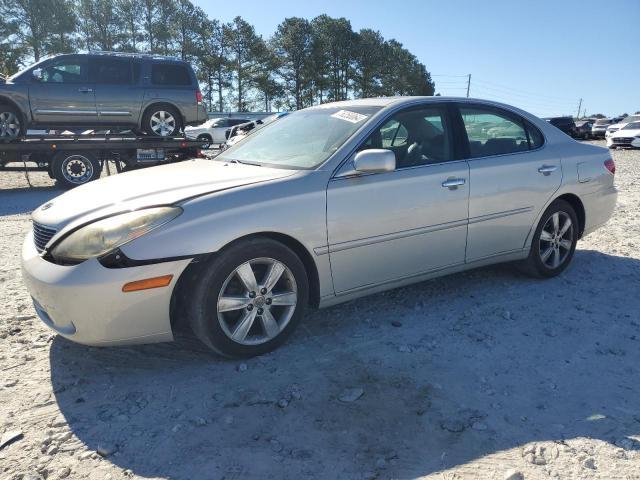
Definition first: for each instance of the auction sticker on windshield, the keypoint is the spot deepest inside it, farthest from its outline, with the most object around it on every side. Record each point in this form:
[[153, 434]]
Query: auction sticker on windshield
[[349, 116]]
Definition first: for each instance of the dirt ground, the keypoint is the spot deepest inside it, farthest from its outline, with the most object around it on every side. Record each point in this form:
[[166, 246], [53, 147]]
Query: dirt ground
[[480, 375]]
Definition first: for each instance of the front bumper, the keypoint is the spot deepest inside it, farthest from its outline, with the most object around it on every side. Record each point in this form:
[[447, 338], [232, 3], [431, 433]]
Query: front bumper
[[85, 302], [624, 142]]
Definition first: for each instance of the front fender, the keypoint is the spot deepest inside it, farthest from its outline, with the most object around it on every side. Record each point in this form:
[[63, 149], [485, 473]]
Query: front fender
[[293, 206]]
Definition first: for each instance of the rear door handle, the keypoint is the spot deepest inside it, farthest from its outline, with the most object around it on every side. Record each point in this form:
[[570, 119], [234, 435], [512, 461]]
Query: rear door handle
[[453, 183], [85, 90], [547, 169]]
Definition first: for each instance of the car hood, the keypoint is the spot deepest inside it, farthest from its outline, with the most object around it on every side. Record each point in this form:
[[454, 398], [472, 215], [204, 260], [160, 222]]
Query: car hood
[[162, 185]]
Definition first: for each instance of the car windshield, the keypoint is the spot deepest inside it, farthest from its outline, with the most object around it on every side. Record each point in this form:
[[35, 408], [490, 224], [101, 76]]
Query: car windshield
[[302, 140], [630, 118], [632, 126], [603, 122]]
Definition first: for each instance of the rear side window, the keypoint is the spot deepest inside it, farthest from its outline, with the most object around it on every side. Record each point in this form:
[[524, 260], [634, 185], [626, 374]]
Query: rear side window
[[166, 74], [535, 136], [110, 71], [493, 132]]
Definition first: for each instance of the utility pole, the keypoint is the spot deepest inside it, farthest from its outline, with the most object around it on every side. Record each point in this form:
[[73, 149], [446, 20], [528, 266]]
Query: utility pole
[[579, 107], [468, 85]]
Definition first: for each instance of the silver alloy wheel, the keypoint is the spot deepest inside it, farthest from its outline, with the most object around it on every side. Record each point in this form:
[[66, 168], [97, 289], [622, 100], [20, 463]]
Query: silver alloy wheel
[[264, 289], [163, 123], [556, 240], [9, 125], [77, 169]]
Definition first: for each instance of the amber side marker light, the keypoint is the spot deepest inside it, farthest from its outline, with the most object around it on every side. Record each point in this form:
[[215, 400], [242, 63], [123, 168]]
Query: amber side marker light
[[147, 283]]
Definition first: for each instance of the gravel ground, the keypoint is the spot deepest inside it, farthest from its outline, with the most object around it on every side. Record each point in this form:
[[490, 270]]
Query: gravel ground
[[480, 375]]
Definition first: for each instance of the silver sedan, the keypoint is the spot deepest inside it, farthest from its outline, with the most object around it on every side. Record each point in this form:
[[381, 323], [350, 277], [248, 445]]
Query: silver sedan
[[326, 205]]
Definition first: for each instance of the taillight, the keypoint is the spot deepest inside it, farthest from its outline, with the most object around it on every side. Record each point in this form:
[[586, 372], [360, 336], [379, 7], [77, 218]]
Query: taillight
[[198, 96], [611, 166]]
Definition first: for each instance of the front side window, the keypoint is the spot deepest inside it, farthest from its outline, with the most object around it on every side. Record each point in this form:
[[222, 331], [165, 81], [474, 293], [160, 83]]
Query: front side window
[[67, 71], [111, 71], [418, 136], [167, 74], [301, 140], [493, 132]]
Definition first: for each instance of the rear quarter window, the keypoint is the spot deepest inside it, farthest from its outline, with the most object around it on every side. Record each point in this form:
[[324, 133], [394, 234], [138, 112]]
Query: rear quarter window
[[166, 74]]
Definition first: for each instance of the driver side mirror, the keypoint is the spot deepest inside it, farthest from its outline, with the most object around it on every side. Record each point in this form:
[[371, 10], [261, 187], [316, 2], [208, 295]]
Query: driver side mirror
[[37, 74], [375, 160]]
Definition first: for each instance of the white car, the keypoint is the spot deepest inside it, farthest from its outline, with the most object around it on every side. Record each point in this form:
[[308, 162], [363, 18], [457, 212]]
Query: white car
[[627, 136], [599, 128], [621, 124], [214, 130]]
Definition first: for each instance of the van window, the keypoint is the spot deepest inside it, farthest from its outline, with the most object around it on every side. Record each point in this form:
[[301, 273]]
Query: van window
[[166, 74], [110, 70], [65, 71]]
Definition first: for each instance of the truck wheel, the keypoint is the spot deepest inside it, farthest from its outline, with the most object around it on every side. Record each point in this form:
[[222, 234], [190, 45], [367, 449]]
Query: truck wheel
[[71, 169], [11, 126], [162, 121]]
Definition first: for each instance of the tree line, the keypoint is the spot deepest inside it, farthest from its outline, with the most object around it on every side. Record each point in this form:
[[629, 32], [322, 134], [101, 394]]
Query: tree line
[[305, 62]]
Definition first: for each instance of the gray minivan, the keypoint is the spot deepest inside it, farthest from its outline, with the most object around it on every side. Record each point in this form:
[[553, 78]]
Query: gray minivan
[[157, 95]]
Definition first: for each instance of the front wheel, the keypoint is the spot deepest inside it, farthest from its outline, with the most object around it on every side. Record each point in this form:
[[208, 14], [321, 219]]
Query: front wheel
[[207, 139], [249, 298], [554, 241]]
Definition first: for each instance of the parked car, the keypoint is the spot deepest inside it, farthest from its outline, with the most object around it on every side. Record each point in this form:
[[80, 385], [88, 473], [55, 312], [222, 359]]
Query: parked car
[[158, 95], [565, 124], [583, 129], [241, 131], [627, 136], [215, 131], [621, 123], [317, 209], [600, 127]]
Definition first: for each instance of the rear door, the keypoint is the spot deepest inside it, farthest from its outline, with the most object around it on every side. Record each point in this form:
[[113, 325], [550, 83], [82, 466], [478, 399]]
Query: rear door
[[118, 95], [172, 83], [512, 176], [63, 95]]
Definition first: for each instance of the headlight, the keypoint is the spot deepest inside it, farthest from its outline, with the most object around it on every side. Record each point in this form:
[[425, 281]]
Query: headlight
[[98, 238]]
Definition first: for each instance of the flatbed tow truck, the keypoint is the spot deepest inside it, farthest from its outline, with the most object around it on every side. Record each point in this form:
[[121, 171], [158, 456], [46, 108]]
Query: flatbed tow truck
[[76, 159]]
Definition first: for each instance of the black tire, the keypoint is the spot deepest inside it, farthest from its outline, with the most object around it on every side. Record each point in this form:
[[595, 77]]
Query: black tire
[[203, 314], [206, 138], [534, 265], [154, 110], [71, 169], [11, 114]]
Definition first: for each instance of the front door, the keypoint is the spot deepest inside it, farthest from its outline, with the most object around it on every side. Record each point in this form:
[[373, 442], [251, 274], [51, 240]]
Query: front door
[[512, 179], [63, 95], [388, 226]]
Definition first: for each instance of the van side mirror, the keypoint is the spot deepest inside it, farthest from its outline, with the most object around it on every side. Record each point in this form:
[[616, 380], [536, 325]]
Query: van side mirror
[[37, 74], [375, 160]]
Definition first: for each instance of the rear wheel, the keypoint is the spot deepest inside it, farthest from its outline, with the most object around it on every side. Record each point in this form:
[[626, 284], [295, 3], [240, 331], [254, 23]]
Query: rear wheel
[[554, 241], [71, 169], [249, 299], [11, 126], [162, 121]]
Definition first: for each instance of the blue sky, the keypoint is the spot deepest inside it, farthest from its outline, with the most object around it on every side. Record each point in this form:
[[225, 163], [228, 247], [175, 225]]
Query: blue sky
[[539, 55]]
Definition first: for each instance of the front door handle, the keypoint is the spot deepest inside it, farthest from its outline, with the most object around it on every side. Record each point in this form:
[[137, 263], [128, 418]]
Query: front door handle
[[547, 169], [453, 183], [85, 90]]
